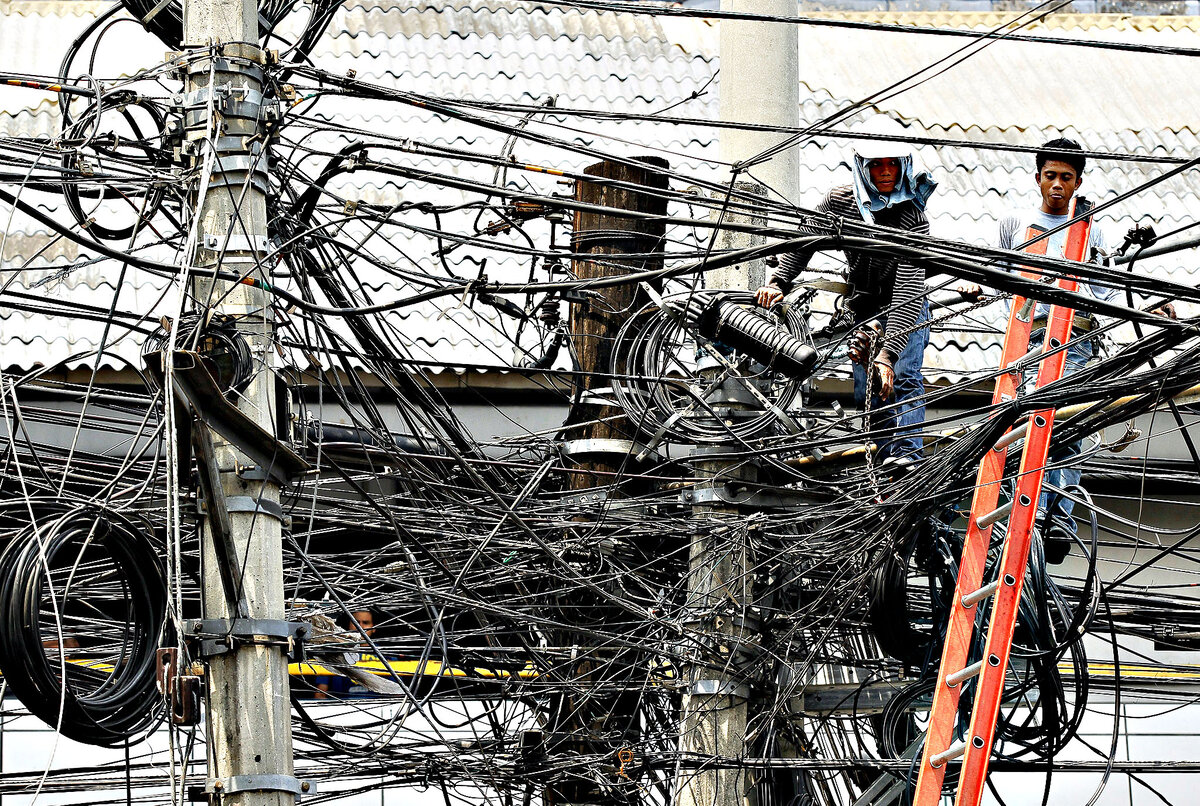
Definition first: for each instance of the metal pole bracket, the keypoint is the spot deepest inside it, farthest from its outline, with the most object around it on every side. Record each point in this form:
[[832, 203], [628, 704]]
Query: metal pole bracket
[[211, 637], [260, 783]]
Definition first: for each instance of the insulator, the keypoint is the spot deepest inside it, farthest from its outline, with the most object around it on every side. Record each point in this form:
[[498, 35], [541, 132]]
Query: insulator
[[550, 312]]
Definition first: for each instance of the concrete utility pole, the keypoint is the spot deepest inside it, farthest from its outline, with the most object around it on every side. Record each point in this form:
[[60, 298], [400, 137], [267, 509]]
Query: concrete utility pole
[[249, 712], [759, 84]]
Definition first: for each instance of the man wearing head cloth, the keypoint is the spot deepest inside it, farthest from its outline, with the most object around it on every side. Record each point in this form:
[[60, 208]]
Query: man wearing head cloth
[[886, 191]]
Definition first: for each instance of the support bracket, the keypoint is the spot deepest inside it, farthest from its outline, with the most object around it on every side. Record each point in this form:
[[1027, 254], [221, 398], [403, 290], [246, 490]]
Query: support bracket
[[720, 688], [259, 783], [212, 637], [195, 386]]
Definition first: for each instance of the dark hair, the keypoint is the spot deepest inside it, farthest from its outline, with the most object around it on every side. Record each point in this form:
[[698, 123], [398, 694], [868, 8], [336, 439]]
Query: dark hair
[[1058, 149], [350, 622]]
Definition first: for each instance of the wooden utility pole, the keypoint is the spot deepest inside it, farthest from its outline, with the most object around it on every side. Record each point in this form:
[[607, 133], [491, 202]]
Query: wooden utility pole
[[248, 706], [599, 444], [615, 241]]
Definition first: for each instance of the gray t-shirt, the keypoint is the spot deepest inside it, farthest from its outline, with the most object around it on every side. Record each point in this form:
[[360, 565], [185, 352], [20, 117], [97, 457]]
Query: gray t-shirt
[[1015, 230]]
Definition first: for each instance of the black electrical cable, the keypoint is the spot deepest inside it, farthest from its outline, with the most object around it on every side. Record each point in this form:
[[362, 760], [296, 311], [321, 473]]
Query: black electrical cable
[[112, 697], [665, 9]]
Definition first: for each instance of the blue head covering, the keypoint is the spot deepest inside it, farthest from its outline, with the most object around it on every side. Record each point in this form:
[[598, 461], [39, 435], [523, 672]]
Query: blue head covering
[[912, 186]]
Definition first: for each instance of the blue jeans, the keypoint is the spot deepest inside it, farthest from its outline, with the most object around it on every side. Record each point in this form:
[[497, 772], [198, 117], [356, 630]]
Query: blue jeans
[[1078, 354], [906, 412]]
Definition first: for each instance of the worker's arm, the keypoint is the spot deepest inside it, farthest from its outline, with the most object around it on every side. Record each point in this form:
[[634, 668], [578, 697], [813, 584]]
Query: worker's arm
[[907, 304], [790, 265]]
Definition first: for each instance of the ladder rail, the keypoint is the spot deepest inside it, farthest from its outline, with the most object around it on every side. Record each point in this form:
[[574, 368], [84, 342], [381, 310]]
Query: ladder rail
[[1013, 563], [943, 715], [961, 626]]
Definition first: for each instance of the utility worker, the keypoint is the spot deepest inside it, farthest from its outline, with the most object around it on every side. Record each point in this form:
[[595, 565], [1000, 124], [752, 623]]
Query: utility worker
[[1059, 175], [887, 191]]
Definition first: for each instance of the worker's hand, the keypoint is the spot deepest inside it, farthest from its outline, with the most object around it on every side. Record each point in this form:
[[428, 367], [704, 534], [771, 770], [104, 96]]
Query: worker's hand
[[768, 295], [970, 291], [860, 347], [1167, 309], [885, 376]]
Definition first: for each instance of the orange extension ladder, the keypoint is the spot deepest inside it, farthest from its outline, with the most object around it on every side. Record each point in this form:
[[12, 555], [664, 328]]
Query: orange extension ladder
[[1021, 511]]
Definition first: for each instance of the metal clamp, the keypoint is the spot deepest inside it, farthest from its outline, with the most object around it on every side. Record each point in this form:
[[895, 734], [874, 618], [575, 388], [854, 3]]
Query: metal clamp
[[258, 244], [259, 783], [236, 171], [720, 688], [259, 506], [212, 637], [234, 144], [584, 498], [229, 99], [607, 447], [724, 495], [730, 392], [255, 506]]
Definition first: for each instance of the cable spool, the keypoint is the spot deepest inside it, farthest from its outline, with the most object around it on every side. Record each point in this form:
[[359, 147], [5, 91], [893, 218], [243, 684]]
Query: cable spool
[[224, 350], [83, 603], [656, 344]]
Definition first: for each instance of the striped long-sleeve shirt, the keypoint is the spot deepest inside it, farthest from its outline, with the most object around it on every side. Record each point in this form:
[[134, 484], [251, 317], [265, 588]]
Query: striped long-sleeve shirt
[[879, 284]]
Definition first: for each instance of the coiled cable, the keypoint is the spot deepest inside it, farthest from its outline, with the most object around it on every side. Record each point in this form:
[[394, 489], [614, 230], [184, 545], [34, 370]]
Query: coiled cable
[[98, 573], [655, 378]]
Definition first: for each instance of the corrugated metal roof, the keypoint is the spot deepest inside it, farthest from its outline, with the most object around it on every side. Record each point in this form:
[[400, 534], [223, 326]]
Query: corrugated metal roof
[[55, 8], [1012, 84], [499, 18], [503, 50], [1070, 22]]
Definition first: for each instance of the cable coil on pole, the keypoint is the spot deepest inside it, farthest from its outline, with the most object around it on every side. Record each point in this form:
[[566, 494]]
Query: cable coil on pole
[[662, 393], [83, 601]]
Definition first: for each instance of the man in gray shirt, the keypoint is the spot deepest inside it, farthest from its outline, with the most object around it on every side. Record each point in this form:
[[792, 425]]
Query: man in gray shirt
[[1059, 176]]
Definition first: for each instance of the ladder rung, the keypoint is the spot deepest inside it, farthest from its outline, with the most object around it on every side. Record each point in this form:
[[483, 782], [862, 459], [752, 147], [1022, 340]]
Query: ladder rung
[[1011, 437], [1025, 312], [953, 680], [984, 521], [952, 752], [975, 597]]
